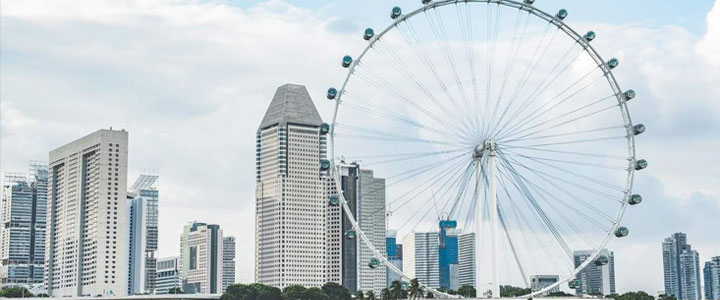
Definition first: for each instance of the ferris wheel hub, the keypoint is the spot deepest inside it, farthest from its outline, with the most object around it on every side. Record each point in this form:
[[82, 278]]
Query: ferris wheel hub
[[487, 145]]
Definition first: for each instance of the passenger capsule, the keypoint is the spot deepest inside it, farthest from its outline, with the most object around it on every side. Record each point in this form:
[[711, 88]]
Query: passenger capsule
[[369, 33], [589, 36], [561, 14], [601, 260], [347, 60], [574, 284], [396, 12], [334, 200], [622, 232], [529, 2], [635, 199], [350, 234], [426, 2], [638, 129], [629, 94], [641, 164], [331, 93], [324, 165], [612, 63], [324, 128], [373, 263]]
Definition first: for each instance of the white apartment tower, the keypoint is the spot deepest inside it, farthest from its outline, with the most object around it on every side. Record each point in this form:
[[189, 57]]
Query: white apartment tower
[[168, 275], [87, 233], [466, 259], [201, 248], [420, 257], [371, 208], [142, 203], [596, 278], [228, 262], [291, 198]]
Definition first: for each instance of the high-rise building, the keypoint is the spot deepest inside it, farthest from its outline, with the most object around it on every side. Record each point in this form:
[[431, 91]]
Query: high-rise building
[[711, 272], [168, 275], [291, 193], [448, 254], [201, 262], [228, 261], [466, 259], [539, 282], [22, 226], [142, 205], [393, 251], [598, 277], [371, 209], [420, 257], [87, 232], [681, 268]]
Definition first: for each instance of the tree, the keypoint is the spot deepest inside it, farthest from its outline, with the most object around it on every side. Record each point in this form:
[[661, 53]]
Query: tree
[[265, 292], [396, 290], [666, 297], [370, 295], [315, 294], [15, 292], [336, 291], [294, 292], [639, 295], [511, 291], [239, 292], [176, 290], [560, 294], [414, 290], [385, 294], [359, 295], [467, 291]]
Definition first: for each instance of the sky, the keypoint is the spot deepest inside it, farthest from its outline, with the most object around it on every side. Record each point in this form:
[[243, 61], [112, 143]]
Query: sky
[[190, 81]]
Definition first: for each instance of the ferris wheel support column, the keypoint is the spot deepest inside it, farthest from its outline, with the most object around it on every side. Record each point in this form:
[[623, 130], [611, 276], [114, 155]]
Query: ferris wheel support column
[[493, 212], [479, 214]]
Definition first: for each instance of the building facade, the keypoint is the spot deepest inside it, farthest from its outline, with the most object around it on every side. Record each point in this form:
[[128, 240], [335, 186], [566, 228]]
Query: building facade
[[539, 282], [87, 231], [168, 275], [420, 257], [228, 261], [142, 203], [393, 252], [371, 209], [291, 193], [681, 268], [711, 274], [466, 259], [23, 215], [595, 278], [448, 254], [201, 249]]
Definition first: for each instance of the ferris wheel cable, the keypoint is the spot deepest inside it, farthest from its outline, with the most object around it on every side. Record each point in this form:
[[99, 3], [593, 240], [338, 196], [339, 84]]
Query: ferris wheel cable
[[359, 157], [541, 159], [410, 157], [380, 133], [467, 35], [389, 115], [618, 157], [530, 136], [605, 138], [491, 47], [512, 247], [461, 192], [522, 220]]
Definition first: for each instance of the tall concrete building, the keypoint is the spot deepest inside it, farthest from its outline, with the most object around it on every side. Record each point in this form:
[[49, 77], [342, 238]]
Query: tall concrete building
[[711, 272], [420, 257], [228, 261], [291, 193], [371, 209], [22, 226], [87, 230], [539, 282], [466, 259], [598, 277], [168, 275], [142, 203], [681, 268], [393, 251], [201, 248], [448, 254]]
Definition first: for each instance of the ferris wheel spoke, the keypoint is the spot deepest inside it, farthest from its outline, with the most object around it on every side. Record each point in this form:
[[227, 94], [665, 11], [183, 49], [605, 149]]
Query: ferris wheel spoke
[[361, 133], [544, 160], [531, 136], [584, 154], [523, 274], [467, 35], [407, 154]]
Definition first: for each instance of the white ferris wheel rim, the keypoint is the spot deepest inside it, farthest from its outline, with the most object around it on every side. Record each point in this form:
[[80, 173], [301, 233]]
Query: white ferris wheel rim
[[571, 33]]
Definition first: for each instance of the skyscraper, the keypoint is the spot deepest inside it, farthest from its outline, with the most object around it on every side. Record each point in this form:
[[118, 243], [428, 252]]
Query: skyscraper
[[201, 262], [711, 272], [420, 257], [539, 282], [681, 268], [291, 192], [371, 208], [598, 277], [87, 232], [228, 261], [466, 259], [168, 275], [448, 254], [142, 202], [22, 226], [394, 256]]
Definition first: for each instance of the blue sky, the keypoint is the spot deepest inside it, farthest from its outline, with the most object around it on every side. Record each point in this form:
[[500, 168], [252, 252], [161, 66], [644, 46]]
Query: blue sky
[[191, 80]]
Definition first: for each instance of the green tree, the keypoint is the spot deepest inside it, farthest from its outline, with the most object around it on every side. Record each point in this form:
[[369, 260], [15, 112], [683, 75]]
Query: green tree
[[666, 297], [467, 291], [370, 295], [385, 294], [359, 295], [239, 292], [336, 291], [414, 290], [639, 295], [396, 290], [315, 294], [560, 294], [265, 292], [294, 292], [15, 292], [176, 290], [512, 291]]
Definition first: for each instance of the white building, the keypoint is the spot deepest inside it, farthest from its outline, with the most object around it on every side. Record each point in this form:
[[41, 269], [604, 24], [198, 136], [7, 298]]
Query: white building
[[420, 257], [142, 202], [711, 273], [228, 261], [466, 259], [87, 232], [168, 275], [539, 282], [595, 278], [201, 262], [291, 193]]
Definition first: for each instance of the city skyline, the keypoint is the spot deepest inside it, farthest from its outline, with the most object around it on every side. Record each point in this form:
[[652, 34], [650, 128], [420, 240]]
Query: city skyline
[[21, 120]]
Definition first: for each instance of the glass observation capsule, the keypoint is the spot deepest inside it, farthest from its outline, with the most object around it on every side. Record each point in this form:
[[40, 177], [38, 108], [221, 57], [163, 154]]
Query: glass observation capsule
[[373, 263], [324, 164], [638, 129], [396, 12], [324, 128], [635, 199], [622, 232], [562, 14], [369, 33], [529, 2], [574, 284], [347, 60], [629, 94], [426, 2], [612, 63], [641, 164], [589, 36], [602, 260], [334, 201], [331, 93], [350, 234]]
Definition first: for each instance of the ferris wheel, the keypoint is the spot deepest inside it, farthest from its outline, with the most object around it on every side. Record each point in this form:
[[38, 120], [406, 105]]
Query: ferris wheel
[[500, 117]]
